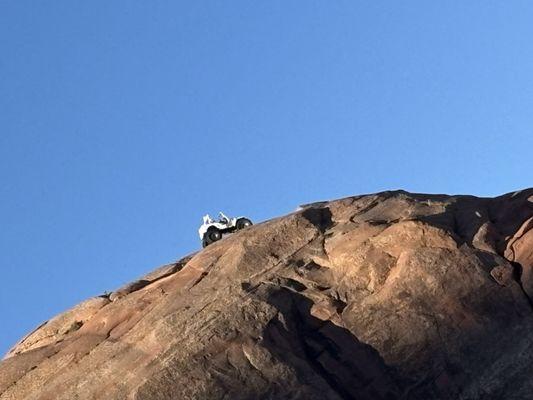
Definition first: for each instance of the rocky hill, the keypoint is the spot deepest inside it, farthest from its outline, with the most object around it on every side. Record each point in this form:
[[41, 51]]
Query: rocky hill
[[385, 296]]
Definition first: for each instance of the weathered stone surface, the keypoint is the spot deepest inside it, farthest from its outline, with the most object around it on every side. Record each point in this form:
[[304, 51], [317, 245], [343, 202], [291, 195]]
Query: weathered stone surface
[[520, 250], [385, 296], [60, 326]]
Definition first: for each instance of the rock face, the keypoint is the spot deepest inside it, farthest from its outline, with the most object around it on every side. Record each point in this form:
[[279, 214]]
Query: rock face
[[385, 296]]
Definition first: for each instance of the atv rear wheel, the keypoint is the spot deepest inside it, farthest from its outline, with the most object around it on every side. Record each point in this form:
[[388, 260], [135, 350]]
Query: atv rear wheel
[[243, 223]]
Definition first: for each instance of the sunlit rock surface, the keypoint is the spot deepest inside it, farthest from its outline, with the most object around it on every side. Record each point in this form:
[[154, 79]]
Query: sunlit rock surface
[[385, 296]]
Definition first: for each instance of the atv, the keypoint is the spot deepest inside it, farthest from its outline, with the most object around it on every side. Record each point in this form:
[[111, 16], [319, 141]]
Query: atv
[[211, 231]]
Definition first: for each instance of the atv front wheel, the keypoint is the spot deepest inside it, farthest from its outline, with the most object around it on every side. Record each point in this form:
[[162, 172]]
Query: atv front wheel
[[212, 235], [243, 223]]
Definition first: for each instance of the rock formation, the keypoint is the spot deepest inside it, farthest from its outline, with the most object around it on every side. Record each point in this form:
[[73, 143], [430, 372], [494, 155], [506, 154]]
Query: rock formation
[[385, 296]]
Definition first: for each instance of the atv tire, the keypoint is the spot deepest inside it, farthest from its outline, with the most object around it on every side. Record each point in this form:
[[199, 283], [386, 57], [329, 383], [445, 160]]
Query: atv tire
[[243, 223], [212, 235]]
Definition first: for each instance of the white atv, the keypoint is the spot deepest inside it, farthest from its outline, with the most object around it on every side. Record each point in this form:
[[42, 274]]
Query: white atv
[[211, 231]]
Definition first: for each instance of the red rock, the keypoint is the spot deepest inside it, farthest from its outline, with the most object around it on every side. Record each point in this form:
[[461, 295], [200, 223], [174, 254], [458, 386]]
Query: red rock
[[385, 296]]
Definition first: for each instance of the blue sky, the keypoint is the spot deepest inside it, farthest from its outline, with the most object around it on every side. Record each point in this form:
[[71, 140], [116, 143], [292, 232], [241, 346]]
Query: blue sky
[[123, 122]]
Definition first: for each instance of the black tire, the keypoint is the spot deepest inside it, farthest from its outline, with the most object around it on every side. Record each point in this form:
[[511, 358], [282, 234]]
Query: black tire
[[243, 223], [212, 235]]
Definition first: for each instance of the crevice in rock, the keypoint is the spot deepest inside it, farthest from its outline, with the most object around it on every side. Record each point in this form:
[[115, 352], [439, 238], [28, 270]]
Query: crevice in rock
[[339, 305], [350, 368], [378, 222], [517, 275], [526, 227], [289, 283], [145, 282], [76, 325], [176, 267], [320, 217], [200, 278], [128, 289], [284, 260], [247, 287], [455, 227], [312, 357], [381, 197], [309, 354], [24, 339], [310, 266]]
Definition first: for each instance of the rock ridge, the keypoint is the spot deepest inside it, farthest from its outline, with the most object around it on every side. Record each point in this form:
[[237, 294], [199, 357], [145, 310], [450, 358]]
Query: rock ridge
[[392, 295]]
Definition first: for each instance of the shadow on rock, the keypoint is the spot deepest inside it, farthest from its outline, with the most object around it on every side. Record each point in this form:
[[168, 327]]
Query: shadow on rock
[[484, 223], [324, 354], [320, 217]]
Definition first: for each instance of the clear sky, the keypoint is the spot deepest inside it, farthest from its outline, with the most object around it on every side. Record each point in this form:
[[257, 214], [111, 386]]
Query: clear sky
[[123, 122]]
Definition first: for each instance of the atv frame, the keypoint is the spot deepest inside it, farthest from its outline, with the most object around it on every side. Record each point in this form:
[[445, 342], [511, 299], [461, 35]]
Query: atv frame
[[211, 231]]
